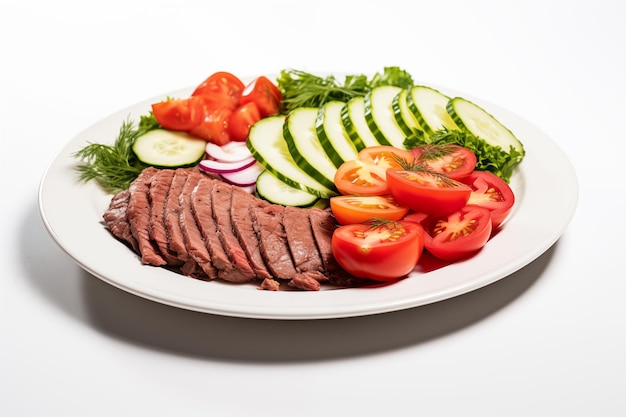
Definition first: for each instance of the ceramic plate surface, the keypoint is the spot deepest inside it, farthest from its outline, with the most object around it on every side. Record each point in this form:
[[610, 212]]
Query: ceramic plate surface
[[72, 213]]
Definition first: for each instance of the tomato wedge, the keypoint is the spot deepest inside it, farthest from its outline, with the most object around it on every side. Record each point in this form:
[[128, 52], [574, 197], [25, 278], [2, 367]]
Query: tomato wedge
[[242, 120], [426, 191], [382, 251], [180, 114], [385, 156], [459, 234], [349, 209], [221, 89], [265, 94], [491, 192], [214, 125], [453, 160], [356, 177]]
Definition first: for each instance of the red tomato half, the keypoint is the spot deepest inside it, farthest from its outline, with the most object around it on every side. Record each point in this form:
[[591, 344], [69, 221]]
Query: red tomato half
[[242, 120], [459, 234], [426, 191], [491, 192], [349, 209], [222, 89], [214, 125], [382, 252], [265, 94], [385, 156], [356, 177], [182, 114], [453, 160]]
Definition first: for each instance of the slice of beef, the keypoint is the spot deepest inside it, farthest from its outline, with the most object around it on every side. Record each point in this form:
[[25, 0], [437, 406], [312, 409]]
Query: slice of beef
[[221, 202], [116, 219], [268, 225], [159, 190], [299, 233], [323, 224], [138, 213], [241, 204], [176, 240], [194, 242], [203, 213]]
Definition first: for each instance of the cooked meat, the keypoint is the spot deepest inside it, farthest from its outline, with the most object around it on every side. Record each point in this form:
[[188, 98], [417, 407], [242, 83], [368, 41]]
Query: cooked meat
[[205, 228], [138, 213]]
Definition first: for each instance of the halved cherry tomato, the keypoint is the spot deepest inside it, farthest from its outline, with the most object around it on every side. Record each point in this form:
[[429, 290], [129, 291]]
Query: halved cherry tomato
[[491, 192], [453, 160], [242, 120], [349, 209], [222, 89], [385, 156], [356, 177], [459, 234], [265, 94], [180, 114], [382, 251], [214, 125], [427, 191]]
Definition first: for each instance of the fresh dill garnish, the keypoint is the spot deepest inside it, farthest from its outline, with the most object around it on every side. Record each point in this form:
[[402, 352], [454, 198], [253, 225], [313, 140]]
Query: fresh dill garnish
[[115, 166], [303, 89]]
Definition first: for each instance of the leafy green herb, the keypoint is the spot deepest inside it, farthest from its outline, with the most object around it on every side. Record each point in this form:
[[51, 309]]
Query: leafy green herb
[[115, 166], [303, 89], [488, 157]]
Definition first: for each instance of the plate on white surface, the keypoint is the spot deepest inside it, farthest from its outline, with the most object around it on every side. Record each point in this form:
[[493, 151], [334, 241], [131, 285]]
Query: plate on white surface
[[545, 187]]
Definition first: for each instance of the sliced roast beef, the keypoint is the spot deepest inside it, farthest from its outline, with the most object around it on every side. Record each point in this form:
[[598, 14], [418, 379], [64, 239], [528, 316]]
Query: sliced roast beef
[[173, 208], [117, 221], [194, 242], [138, 213], [221, 201], [301, 241], [241, 204], [203, 211], [268, 225], [159, 190]]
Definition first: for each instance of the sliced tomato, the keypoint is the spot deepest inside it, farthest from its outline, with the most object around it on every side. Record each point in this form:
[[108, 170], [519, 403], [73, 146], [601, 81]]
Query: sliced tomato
[[355, 177], [178, 114], [265, 94], [349, 209], [385, 156], [453, 160], [222, 89], [382, 251], [459, 234], [214, 125], [241, 120], [491, 192], [427, 191]]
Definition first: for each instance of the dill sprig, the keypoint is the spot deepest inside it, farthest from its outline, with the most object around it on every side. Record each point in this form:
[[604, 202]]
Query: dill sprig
[[419, 166], [115, 166]]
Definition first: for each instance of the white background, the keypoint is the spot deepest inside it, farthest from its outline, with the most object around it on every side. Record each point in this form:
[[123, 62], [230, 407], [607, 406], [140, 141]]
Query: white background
[[546, 341]]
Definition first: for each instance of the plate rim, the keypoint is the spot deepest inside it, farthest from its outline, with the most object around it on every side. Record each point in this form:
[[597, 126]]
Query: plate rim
[[172, 289]]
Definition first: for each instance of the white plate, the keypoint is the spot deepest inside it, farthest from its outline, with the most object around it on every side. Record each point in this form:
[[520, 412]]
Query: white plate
[[546, 192]]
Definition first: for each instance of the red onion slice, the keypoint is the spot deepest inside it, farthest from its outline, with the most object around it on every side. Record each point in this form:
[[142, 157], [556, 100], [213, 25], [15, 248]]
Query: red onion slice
[[221, 167], [246, 177], [231, 152]]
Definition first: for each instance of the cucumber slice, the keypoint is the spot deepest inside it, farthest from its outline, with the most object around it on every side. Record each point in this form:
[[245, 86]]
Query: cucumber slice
[[475, 120], [168, 149], [270, 188], [353, 119], [332, 134], [267, 145], [429, 108], [404, 118], [305, 147], [379, 116]]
